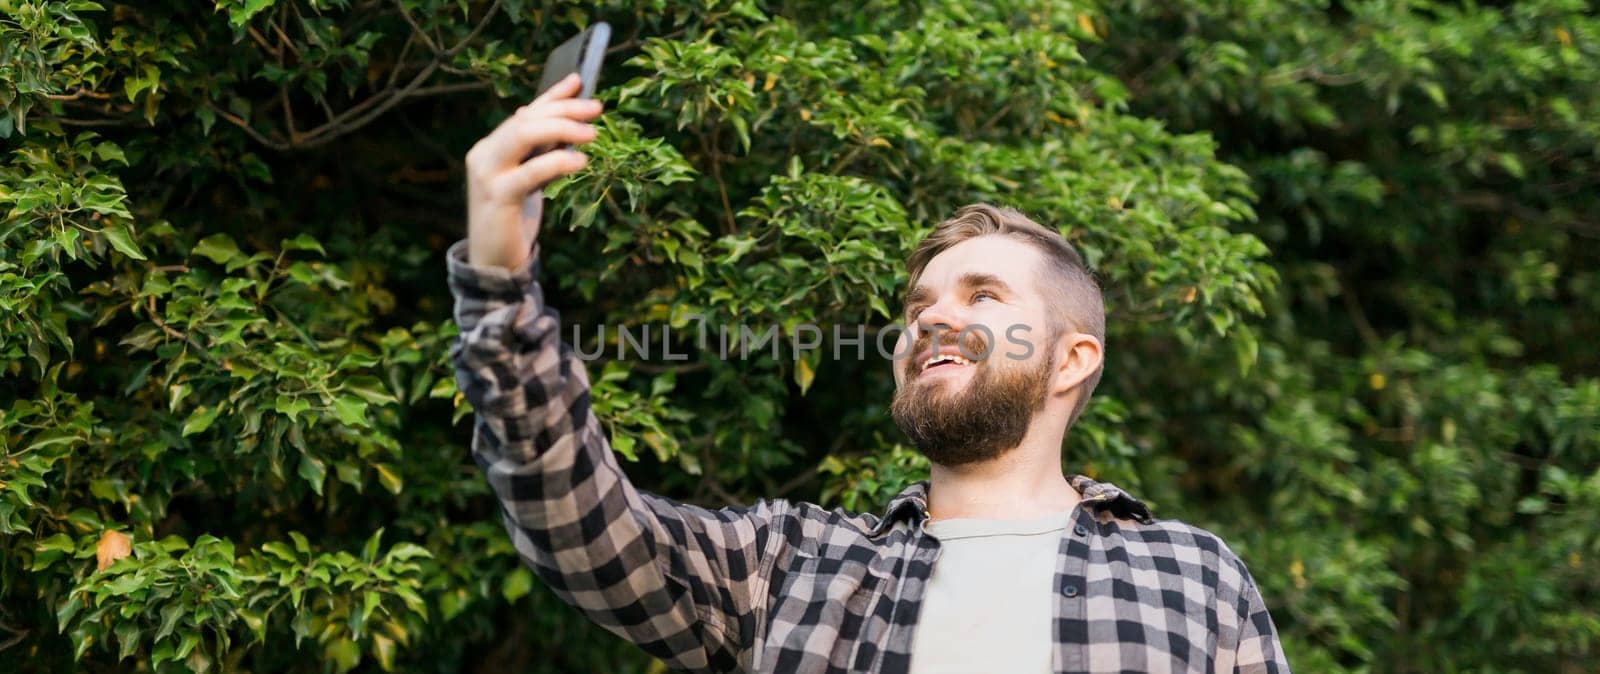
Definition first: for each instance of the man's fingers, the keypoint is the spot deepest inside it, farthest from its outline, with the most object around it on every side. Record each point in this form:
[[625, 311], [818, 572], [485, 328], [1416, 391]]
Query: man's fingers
[[536, 172], [581, 109], [519, 137], [566, 88], [546, 131]]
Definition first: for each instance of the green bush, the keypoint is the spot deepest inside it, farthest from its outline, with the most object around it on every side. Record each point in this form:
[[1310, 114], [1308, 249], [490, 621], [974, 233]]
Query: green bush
[[1349, 253]]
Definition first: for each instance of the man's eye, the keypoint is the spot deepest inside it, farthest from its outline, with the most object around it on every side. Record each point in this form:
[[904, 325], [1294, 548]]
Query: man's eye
[[982, 294]]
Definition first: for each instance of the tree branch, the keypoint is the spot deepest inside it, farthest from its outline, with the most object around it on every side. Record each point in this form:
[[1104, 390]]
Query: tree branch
[[416, 28], [455, 88], [715, 155], [657, 368], [283, 38], [362, 113], [1357, 315], [400, 61], [795, 482], [80, 93], [68, 121], [482, 24], [288, 113], [1489, 201], [249, 130], [855, 150], [262, 41], [186, 338], [21, 634], [995, 117], [378, 105]]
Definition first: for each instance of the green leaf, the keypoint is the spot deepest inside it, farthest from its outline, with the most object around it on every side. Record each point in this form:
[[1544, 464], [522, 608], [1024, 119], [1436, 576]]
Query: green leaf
[[186, 644], [403, 551], [127, 639], [200, 419], [369, 551], [1435, 93], [388, 477], [169, 619], [348, 472], [240, 12], [304, 242], [208, 117], [58, 542], [803, 374], [163, 652], [122, 240], [301, 623], [82, 638], [290, 407], [370, 389], [218, 248], [369, 601], [146, 79], [624, 445], [737, 247], [256, 622], [383, 649], [518, 584], [312, 470], [85, 519], [109, 152], [198, 662], [68, 609], [280, 550], [54, 436], [344, 654], [584, 215], [352, 411], [43, 560]]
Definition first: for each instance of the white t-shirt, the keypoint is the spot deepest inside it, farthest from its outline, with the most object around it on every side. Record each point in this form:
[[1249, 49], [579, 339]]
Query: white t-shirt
[[988, 606]]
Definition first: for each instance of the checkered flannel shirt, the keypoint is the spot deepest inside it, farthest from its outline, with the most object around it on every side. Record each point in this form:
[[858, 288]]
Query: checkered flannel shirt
[[791, 587]]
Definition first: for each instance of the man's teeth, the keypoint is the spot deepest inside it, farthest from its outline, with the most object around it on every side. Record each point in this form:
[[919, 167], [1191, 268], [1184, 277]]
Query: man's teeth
[[941, 358]]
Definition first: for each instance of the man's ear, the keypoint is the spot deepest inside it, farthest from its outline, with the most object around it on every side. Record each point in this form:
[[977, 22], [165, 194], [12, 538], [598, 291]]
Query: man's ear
[[1078, 355]]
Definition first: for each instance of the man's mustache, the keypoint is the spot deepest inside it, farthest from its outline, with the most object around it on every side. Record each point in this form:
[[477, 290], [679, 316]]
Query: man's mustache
[[972, 345]]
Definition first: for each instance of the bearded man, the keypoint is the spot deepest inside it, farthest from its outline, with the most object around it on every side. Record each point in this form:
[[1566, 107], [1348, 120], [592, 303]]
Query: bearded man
[[998, 563]]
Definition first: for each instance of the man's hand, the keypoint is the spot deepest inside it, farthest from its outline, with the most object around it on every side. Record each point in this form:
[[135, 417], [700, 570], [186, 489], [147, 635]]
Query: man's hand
[[498, 180]]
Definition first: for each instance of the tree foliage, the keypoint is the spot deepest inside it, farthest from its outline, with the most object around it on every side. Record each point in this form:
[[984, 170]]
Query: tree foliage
[[1349, 255]]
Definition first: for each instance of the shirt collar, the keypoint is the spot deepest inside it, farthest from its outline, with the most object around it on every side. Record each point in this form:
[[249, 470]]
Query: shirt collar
[[911, 504], [1109, 498]]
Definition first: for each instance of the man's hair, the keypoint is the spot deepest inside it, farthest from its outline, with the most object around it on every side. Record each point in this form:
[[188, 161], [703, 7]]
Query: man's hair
[[1064, 275]]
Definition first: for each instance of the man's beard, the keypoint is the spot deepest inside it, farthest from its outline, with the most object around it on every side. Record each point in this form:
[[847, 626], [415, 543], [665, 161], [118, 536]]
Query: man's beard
[[990, 417]]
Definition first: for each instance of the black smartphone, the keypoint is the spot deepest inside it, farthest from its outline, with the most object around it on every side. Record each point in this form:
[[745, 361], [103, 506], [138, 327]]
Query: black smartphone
[[582, 54]]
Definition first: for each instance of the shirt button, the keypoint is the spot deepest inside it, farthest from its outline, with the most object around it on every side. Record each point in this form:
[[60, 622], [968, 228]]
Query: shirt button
[[1070, 590], [1081, 530]]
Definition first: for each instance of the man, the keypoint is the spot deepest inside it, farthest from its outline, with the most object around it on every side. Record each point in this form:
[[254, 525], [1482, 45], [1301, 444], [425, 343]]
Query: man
[[1000, 563]]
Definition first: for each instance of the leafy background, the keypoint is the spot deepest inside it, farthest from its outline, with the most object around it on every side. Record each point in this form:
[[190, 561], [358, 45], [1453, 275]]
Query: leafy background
[[1349, 248]]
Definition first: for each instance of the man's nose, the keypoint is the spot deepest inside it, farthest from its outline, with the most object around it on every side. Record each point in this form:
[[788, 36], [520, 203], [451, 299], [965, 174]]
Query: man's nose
[[940, 322]]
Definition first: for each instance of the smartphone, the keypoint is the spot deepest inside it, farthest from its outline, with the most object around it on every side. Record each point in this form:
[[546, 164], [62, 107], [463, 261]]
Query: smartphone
[[582, 54]]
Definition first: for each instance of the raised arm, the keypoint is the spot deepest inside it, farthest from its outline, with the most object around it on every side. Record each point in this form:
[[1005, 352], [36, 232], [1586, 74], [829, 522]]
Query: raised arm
[[680, 581]]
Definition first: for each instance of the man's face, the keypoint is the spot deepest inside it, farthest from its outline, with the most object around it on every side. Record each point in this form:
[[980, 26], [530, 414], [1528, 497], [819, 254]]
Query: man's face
[[969, 397]]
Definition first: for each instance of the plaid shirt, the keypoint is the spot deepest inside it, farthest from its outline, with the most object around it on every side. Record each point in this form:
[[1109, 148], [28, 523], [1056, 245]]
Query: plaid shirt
[[792, 587]]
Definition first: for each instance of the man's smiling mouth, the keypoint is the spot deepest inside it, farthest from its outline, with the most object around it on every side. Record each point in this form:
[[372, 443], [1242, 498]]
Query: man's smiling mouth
[[944, 359]]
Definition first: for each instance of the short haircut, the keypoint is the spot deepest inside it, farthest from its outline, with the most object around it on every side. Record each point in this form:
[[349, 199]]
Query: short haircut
[[1065, 275]]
